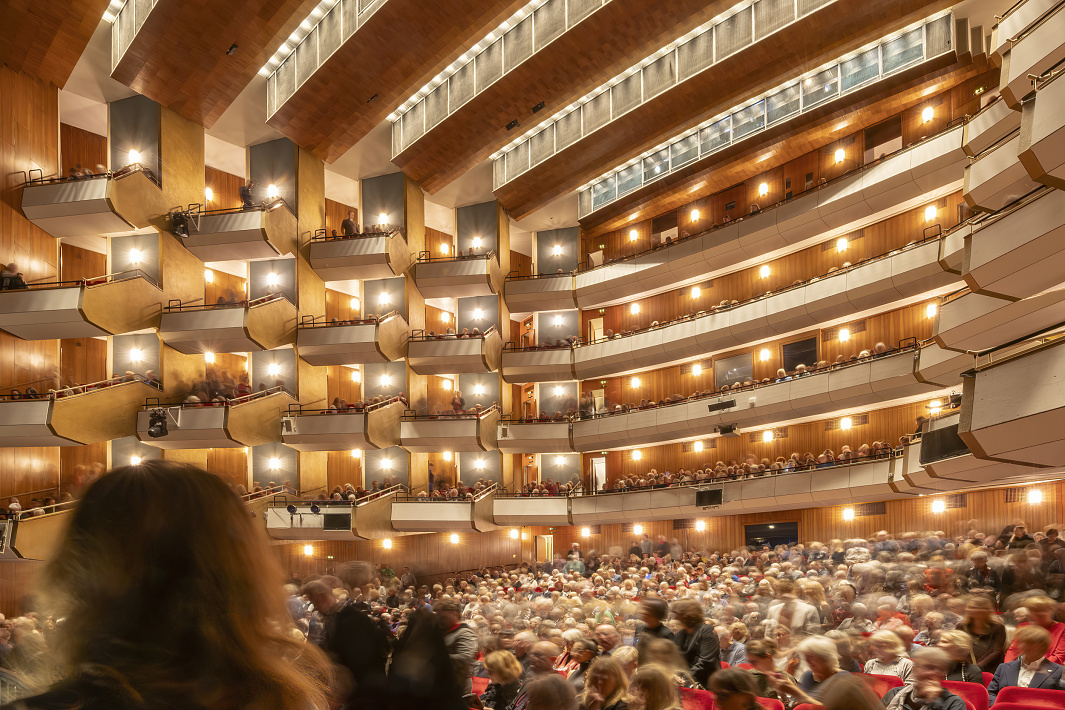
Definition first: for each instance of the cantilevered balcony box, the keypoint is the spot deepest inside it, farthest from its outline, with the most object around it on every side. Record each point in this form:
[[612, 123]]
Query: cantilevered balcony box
[[369, 518], [997, 177], [107, 305], [1034, 53], [263, 324], [105, 204], [440, 355], [246, 421], [459, 277], [544, 292], [374, 426], [86, 414], [449, 432], [354, 342], [988, 126], [441, 515], [265, 232], [518, 437], [1042, 147], [537, 510], [644, 504], [537, 364], [362, 257]]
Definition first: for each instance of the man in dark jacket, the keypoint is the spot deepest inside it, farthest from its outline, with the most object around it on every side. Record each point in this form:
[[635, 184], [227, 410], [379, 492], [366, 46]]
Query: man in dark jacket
[[651, 612], [460, 640]]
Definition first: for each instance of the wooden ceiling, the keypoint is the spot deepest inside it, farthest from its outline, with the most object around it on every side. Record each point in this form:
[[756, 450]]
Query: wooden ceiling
[[830, 32], [178, 58], [600, 47], [786, 142], [45, 38], [402, 46]]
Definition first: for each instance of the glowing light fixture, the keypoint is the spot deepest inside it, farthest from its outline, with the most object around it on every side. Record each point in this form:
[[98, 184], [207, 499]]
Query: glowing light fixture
[[845, 423], [929, 213], [356, 375], [558, 320], [447, 455], [556, 250], [634, 308], [134, 157], [634, 383], [273, 369], [445, 317], [700, 526], [695, 215], [844, 335], [559, 390], [272, 279], [387, 543], [445, 248], [208, 276], [848, 514], [840, 155], [935, 407], [637, 455], [764, 271], [208, 358], [356, 453], [271, 191], [697, 446], [478, 314], [308, 550], [763, 189], [477, 242], [938, 506], [930, 310], [134, 460], [696, 292], [697, 369], [478, 390], [135, 355], [586, 531], [208, 194], [927, 114], [386, 464], [478, 464], [637, 530], [355, 304], [274, 463], [382, 218], [514, 534], [764, 354], [1035, 496], [632, 235], [560, 460], [841, 245], [446, 385], [454, 538], [386, 380], [767, 436], [383, 298], [134, 256]]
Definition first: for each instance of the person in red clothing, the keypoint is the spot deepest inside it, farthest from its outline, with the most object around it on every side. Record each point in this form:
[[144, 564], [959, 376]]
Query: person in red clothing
[[1041, 613]]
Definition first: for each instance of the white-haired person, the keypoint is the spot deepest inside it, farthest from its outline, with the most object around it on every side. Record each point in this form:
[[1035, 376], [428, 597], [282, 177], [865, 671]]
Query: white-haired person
[[889, 656], [926, 692]]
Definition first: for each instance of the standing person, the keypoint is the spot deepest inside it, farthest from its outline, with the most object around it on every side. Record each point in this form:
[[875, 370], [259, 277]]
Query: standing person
[[407, 579], [460, 640], [348, 227], [651, 612], [696, 640], [247, 197], [458, 402], [159, 619]]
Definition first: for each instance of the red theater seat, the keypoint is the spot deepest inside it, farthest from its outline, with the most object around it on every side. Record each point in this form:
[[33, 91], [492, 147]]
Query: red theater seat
[[974, 693], [879, 684], [696, 699], [480, 685], [1032, 698]]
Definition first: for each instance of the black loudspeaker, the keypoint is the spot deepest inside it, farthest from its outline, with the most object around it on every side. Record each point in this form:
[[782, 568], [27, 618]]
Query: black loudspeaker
[[718, 406], [940, 444], [708, 498], [335, 522]]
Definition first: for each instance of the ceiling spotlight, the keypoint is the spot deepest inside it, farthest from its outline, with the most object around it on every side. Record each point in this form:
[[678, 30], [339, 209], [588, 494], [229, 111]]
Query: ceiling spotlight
[[841, 245], [767, 435], [697, 446], [637, 455], [632, 235], [135, 355], [764, 271], [695, 215], [273, 369], [208, 358], [208, 194], [927, 114], [556, 250], [938, 506], [930, 310], [697, 370], [634, 383], [634, 308], [763, 189], [848, 514], [382, 218], [845, 423], [134, 460], [844, 335], [764, 354], [271, 191], [208, 276]]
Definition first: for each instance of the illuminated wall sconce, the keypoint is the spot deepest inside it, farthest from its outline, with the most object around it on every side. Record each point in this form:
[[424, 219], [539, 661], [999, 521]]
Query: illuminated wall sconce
[[478, 390], [383, 299], [938, 506], [386, 464], [274, 463], [355, 304], [764, 271], [445, 317], [697, 370], [935, 407], [134, 256], [700, 526], [560, 461], [134, 460], [634, 383], [696, 292], [208, 358], [930, 310], [478, 464], [559, 390], [844, 335], [637, 455], [447, 455], [135, 355], [763, 189], [764, 354], [273, 369], [387, 543], [478, 314], [632, 235], [445, 248], [695, 215], [585, 532], [845, 423], [514, 534], [356, 375], [767, 436], [927, 114], [637, 530], [271, 191], [446, 385], [382, 218], [697, 446], [308, 550], [454, 538], [848, 514], [634, 308], [272, 279], [841, 245], [134, 157], [208, 276], [840, 155], [1035, 496], [477, 242], [208, 194], [386, 380], [558, 320], [556, 250], [929, 213], [356, 454]]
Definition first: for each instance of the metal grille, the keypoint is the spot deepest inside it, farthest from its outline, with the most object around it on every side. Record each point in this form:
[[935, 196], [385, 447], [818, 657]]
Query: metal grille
[[413, 124], [436, 106], [518, 160], [568, 129], [866, 509], [689, 446], [271, 101], [550, 22], [695, 55], [306, 57], [329, 33], [684, 151], [630, 178], [771, 15], [584, 203], [580, 9], [659, 75], [831, 334], [808, 6], [903, 50], [489, 65], [858, 70], [126, 26], [499, 172], [625, 95], [781, 433], [732, 34], [517, 44], [783, 103], [286, 80], [542, 145], [955, 501], [938, 37], [461, 86], [856, 420], [596, 112]]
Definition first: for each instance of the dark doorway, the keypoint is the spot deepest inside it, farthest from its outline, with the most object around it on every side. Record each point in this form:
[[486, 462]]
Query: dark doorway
[[771, 535]]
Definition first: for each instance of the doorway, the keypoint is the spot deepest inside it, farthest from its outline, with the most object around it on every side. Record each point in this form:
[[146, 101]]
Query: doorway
[[595, 329], [545, 548], [770, 534], [597, 469]]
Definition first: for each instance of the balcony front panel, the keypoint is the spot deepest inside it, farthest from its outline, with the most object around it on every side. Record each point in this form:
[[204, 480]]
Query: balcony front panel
[[1042, 148], [362, 258], [369, 519], [46, 314], [433, 434], [431, 515], [1016, 20], [519, 512], [354, 343], [642, 505], [376, 427], [1018, 254], [447, 355], [997, 177], [534, 438], [543, 293], [458, 278], [105, 412], [974, 322], [25, 422], [261, 325], [92, 207], [835, 485], [1039, 50], [993, 123], [242, 235], [539, 365], [1014, 410], [249, 421]]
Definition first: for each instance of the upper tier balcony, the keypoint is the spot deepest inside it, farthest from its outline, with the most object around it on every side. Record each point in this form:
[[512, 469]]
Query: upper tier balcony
[[946, 463], [458, 276], [412, 514], [353, 342], [440, 354], [988, 126], [105, 305], [363, 257], [264, 232], [1036, 49], [85, 414], [997, 178], [108, 203], [543, 292], [519, 511], [973, 323], [472, 430], [517, 436], [932, 264], [244, 421], [360, 426], [1042, 147], [263, 324], [368, 518]]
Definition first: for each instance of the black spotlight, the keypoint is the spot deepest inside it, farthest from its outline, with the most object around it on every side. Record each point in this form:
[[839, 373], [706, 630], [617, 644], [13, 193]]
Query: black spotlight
[[232, 50], [157, 424], [315, 510], [291, 509]]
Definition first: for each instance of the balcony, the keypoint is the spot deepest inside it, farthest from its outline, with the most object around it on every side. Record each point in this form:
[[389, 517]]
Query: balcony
[[245, 421], [263, 324], [1036, 49], [367, 519], [101, 306], [447, 354], [373, 426], [1042, 147], [449, 432], [354, 342], [37, 537], [947, 462], [537, 364], [85, 414], [991, 124], [534, 437], [411, 514], [240, 235], [105, 204], [519, 511], [545, 292], [997, 178], [375, 255], [458, 277], [974, 323], [651, 504]]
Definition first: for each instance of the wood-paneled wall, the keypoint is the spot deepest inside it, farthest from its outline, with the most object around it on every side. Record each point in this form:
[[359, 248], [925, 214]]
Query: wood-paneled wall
[[80, 147], [223, 285], [340, 384], [225, 188], [520, 264], [338, 305], [434, 238], [811, 437], [231, 465], [335, 213], [872, 241]]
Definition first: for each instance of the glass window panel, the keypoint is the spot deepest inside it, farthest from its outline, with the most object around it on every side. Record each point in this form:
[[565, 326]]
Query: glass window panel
[[685, 150], [603, 192], [731, 370], [629, 178], [656, 165], [717, 135], [748, 120], [820, 87], [903, 50], [801, 352], [783, 103], [861, 69]]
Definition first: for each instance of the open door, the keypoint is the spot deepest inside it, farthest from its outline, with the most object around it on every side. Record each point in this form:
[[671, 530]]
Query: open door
[[595, 329], [528, 335], [545, 548], [598, 399], [528, 400], [597, 471]]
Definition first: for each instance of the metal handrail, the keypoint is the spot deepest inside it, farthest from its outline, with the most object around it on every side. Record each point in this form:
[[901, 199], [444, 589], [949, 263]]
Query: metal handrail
[[421, 334], [86, 388], [481, 495], [321, 236], [177, 305], [412, 414], [427, 256], [312, 321], [301, 409], [90, 281], [109, 174], [244, 399]]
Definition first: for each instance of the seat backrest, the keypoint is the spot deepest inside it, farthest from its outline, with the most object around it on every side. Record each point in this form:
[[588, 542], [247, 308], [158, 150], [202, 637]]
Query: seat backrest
[[696, 699], [770, 703], [480, 685], [975, 693], [987, 678], [725, 665], [1032, 697], [879, 684]]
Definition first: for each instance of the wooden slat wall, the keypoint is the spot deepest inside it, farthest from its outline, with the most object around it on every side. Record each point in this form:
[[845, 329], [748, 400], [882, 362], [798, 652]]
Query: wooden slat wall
[[884, 425], [434, 238], [231, 465], [343, 468], [226, 189], [17, 579], [80, 147], [520, 264], [223, 285], [338, 305], [335, 213], [434, 320], [340, 384], [438, 397]]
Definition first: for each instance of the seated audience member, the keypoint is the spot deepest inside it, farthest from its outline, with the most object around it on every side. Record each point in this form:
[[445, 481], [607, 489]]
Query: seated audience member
[[651, 688], [549, 692], [1031, 668], [825, 684], [1041, 612], [761, 655], [926, 692], [734, 689], [959, 646], [505, 673], [696, 640], [584, 652], [605, 686]]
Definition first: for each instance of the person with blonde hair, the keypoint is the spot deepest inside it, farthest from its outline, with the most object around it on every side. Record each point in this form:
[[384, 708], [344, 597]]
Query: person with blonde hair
[[505, 672], [652, 688], [605, 686], [959, 646], [1031, 668], [825, 684], [888, 656], [628, 657]]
